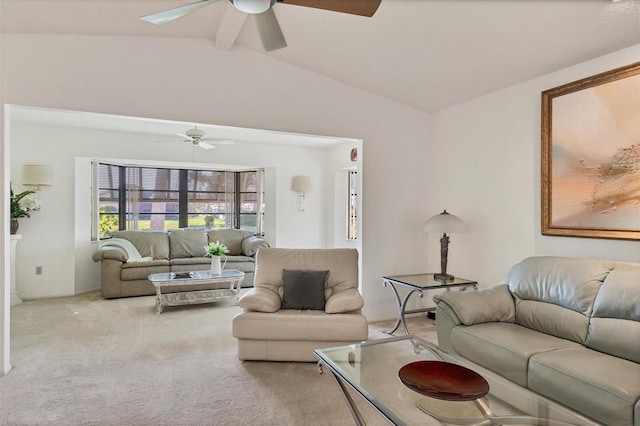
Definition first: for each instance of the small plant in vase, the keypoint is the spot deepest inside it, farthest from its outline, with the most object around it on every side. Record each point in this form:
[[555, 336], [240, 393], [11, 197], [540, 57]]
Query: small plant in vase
[[19, 207], [215, 250]]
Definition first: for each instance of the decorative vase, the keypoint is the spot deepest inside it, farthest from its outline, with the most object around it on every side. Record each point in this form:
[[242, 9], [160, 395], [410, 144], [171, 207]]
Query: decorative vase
[[14, 226], [216, 268]]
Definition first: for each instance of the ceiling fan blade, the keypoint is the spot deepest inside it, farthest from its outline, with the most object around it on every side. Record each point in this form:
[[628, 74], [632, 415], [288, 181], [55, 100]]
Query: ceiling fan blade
[[269, 30], [161, 18], [205, 145], [230, 26], [221, 141], [353, 7]]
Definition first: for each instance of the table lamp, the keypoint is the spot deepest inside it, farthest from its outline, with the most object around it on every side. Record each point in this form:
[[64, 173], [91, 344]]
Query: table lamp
[[444, 223]]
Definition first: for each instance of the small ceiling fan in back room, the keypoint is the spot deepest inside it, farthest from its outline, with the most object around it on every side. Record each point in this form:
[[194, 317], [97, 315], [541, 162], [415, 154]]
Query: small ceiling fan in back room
[[197, 137], [262, 12]]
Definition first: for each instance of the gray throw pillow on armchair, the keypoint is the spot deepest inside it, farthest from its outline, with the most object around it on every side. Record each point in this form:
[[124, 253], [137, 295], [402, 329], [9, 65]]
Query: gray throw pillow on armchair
[[303, 289]]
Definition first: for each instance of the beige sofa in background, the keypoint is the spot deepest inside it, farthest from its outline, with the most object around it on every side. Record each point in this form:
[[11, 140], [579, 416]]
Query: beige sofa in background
[[564, 328], [267, 332], [124, 270]]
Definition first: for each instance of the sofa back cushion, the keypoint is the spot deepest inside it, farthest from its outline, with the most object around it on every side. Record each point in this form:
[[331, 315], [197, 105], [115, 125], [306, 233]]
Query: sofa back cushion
[[341, 263], [555, 295], [187, 243], [615, 322], [232, 238], [153, 244]]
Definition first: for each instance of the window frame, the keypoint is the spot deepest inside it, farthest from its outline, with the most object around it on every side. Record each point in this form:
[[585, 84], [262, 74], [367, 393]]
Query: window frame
[[185, 197]]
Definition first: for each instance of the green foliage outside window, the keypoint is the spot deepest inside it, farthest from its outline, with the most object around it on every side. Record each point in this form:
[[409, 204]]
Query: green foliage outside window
[[108, 222]]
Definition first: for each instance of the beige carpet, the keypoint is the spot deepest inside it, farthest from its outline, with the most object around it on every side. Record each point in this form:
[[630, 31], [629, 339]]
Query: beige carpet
[[87, 361]]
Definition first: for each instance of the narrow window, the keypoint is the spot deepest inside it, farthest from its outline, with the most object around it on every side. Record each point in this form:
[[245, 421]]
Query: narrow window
[[352, 204]]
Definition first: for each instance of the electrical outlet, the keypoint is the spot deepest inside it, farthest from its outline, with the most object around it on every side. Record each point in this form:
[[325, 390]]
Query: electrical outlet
[[38, 270]]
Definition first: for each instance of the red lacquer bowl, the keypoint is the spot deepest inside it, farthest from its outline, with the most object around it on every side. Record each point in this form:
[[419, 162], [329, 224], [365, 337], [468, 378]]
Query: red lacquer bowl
[[443, 380]]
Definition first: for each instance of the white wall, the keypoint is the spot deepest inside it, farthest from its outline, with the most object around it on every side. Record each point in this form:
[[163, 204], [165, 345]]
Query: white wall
[[189, 80], [69, 151], [484, 166]]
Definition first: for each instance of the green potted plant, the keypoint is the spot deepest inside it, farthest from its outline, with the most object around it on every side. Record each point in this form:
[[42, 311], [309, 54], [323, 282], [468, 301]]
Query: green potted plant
[[19, 208], [215, 250]]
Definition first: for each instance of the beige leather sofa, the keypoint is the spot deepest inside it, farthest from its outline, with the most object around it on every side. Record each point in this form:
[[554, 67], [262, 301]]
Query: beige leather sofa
[[267, 332], [567, 329], [131, 256]]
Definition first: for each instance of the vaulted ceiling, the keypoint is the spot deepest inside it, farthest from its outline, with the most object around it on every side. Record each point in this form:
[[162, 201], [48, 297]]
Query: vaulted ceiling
[[428, 54]]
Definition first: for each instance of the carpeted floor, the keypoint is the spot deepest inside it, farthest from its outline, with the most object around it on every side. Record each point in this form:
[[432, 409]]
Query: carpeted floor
[[88, 361]]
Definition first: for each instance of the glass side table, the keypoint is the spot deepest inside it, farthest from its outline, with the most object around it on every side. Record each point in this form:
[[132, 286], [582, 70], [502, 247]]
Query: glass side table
[[420, 283]]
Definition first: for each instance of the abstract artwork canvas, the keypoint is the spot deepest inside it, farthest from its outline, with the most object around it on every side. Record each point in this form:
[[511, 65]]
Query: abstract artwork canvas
[[591, 156]]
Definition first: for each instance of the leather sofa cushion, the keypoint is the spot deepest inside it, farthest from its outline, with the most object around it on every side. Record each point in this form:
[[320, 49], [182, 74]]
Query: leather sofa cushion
[[149, 243], [232, 238], [504, 348], [341, 263], [304, 325], [260, 299], [252, 244], [552, 319], [476, 307], [140, 271], [603, 387], [348, 300], [615, 322], [188, 242], [570, 283]]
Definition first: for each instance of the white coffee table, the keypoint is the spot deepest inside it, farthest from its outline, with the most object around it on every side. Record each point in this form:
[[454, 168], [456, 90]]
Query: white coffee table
[[173, 289]]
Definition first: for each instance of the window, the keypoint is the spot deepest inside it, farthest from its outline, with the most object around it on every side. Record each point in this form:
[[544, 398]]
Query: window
[[149, 198], [352, 205]]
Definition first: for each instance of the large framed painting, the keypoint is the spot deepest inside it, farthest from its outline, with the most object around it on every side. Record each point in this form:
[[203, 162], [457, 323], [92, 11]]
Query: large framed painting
[[591, 156]]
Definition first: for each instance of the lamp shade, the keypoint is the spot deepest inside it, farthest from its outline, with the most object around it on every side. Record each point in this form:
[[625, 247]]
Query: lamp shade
[[301, 184], [444, 223], [36, 174]]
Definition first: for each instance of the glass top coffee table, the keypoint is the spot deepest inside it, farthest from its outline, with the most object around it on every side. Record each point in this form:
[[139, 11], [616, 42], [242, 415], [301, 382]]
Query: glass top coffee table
[[186, 288], [371, 370]]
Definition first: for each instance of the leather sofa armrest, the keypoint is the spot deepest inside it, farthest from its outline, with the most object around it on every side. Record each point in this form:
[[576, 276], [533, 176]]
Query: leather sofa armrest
[[250, 245], [260, 299], [476, 307], [348, 300], [110, 253]]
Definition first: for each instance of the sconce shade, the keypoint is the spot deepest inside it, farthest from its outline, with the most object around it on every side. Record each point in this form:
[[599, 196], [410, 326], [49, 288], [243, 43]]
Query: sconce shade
[[444, 223], [37, 175], [301, 184]]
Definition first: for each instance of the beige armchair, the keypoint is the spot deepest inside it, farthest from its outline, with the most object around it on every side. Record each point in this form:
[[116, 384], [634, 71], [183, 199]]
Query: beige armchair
[[303, 299]]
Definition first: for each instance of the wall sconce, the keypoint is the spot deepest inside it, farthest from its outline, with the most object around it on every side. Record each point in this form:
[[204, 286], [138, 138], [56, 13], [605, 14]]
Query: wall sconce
[[301, 185], [36, 175], [444, 223]]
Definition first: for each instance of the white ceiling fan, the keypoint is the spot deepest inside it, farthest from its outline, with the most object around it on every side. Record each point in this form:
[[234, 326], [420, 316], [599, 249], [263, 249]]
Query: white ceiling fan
[[197, 137], [262, 12]]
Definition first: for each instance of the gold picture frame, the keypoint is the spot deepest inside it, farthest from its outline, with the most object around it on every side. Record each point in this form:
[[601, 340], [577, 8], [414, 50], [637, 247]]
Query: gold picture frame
[[591, 156]]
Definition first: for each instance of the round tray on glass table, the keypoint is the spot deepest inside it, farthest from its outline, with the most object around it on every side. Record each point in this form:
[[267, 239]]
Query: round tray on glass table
[[443, 380], [452, 382]]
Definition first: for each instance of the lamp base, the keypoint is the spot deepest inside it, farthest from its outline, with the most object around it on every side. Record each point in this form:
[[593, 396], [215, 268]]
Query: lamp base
[[443, 277]]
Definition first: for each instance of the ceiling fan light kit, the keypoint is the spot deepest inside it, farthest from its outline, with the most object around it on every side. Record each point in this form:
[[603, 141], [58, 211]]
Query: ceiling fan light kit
[[266, 21], [253, 6]]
